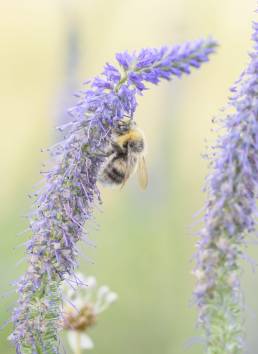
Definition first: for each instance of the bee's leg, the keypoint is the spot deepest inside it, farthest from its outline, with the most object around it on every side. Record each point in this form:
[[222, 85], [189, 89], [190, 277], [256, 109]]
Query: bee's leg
[[98, 153], [101, 153]]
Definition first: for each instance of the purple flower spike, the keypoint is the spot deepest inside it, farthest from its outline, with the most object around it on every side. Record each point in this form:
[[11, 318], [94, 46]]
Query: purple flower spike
[[70, 193], [230, 214]]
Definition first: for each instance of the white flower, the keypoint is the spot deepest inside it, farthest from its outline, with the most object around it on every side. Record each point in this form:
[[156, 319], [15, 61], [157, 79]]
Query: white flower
[[84, 303], [111, 297]]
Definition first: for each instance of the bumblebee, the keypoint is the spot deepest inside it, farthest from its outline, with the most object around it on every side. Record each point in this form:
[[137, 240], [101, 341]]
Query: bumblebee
[[126, 155]]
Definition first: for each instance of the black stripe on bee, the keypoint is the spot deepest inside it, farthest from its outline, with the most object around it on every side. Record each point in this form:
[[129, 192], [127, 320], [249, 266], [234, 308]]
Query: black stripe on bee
[[115, 177], [115, 171]]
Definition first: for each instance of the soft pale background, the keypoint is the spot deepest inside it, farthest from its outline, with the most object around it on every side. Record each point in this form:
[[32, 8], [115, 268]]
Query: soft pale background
[[145, 242]]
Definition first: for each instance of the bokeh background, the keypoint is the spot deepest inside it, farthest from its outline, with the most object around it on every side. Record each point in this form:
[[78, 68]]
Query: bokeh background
[[145, 243]]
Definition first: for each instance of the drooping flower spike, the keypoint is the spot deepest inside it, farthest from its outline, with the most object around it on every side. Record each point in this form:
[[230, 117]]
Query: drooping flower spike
[[230, 214], [68, 198]]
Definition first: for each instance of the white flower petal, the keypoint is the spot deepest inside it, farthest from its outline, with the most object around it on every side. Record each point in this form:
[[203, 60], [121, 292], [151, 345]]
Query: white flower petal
[[78, 302], [103, 291], [107, 300], [72, 340], [67, 289], [91, 282], [81, 280], [85, 341], [111, 297]]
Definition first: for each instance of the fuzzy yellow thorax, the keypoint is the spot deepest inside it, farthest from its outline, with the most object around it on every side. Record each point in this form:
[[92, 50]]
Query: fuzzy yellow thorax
[[133, 134]]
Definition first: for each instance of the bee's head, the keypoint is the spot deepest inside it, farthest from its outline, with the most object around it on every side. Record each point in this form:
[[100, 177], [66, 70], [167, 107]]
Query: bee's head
[[136, 144], [124, 126], [134, 141]]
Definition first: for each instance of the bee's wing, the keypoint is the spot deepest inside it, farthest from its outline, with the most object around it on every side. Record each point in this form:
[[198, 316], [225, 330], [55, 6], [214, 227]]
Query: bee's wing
[[130, 166], [142, 172]]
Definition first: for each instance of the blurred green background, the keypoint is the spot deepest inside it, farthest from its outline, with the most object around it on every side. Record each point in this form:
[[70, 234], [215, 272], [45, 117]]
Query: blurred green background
[[145, 243]]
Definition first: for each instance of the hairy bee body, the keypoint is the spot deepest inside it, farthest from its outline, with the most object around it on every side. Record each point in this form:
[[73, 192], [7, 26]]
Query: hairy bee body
[[115, 171], [125, 156]]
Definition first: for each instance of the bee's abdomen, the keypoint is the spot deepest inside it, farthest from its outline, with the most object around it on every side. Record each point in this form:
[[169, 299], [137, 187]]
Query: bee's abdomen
[[114, 172], [114, 175]]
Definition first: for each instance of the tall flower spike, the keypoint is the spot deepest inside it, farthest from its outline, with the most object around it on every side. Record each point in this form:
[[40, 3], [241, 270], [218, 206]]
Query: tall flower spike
[[70, 192], [230, 214]]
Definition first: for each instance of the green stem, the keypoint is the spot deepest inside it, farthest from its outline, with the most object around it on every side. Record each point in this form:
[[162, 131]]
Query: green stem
[[120, 83]]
